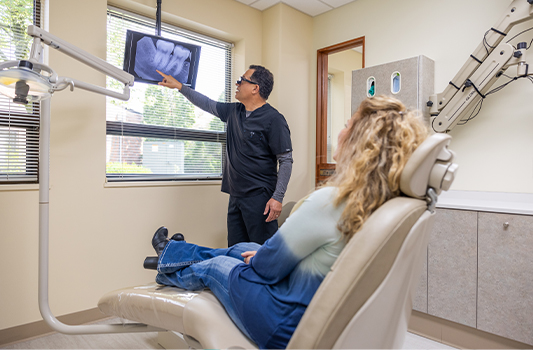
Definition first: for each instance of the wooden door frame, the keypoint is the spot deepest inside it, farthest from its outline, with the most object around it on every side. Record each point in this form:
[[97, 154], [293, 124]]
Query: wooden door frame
[[323, 168]]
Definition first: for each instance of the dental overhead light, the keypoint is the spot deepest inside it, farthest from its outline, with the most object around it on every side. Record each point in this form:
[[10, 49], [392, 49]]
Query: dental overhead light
[[16, 83], [32, 81]]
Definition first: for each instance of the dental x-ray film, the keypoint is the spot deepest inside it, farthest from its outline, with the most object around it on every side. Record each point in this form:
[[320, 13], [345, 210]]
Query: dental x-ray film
[[144, 54]]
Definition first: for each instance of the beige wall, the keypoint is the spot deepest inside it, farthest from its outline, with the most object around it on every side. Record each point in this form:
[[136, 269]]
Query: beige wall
[[493, 150], [287, 52]]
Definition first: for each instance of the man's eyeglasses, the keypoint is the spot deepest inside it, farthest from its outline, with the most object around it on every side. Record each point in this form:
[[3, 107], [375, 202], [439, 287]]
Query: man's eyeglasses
[[241, 79]]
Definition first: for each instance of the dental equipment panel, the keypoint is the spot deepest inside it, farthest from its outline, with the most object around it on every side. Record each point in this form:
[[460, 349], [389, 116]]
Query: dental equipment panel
[[410, 80]]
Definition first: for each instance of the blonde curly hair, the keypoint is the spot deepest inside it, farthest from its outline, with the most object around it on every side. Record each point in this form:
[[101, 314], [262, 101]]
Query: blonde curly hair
[[372, 156]]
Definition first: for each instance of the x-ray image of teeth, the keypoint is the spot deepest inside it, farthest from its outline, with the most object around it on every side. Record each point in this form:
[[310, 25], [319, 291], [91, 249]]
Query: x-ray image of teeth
[[164, 56]]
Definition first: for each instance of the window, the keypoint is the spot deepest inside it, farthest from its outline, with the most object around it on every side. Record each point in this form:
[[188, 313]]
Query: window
[[158, 134], [19, 124]]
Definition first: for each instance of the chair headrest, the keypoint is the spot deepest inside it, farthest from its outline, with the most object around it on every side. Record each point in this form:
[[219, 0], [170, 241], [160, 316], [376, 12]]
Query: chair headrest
[[430, 166]]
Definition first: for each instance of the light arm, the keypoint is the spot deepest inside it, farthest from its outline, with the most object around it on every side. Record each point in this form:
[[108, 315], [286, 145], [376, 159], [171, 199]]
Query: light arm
[[42, 36], [80, 55]]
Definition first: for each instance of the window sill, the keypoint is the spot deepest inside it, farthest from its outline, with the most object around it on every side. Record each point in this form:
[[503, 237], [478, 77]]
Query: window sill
[[19, 187], [162, 183]]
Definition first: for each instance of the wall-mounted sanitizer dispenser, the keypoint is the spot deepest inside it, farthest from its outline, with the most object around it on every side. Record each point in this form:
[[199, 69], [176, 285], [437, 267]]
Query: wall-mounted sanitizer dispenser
[[410, 80]]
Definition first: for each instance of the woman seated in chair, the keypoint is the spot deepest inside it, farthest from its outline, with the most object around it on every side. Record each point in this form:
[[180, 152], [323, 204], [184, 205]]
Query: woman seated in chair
[[266, 289]]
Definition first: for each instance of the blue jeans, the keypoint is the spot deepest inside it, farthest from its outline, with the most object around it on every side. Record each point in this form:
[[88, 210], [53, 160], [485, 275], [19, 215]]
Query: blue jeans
[[193, 267]]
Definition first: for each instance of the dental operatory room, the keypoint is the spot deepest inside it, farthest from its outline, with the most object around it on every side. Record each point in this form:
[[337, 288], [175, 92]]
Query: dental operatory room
[[245, 174]]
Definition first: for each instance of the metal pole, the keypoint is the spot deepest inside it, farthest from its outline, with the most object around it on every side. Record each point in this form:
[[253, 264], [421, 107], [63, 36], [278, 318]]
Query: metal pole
[[44, 186], [158, 19]]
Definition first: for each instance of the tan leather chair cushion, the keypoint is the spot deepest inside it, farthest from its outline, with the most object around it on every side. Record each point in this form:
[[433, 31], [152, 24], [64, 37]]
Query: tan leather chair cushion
[[196, 314]]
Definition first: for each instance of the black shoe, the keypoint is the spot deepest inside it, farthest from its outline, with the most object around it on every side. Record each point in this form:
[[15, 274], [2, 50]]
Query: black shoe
[[160, 240], [150, 263], [178, 237]]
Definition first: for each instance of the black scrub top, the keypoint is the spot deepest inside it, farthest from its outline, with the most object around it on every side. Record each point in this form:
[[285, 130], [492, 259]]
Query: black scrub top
[[252, 145]]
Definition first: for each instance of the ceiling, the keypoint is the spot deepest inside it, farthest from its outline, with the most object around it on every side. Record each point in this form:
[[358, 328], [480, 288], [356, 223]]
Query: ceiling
[[310, 7]]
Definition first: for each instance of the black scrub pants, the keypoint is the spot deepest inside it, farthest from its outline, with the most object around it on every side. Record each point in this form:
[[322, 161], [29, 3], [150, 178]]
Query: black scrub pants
[[246, 222]]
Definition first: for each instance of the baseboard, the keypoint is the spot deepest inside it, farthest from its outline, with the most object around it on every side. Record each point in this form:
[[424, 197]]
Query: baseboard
[[40, 328], [458, 335]]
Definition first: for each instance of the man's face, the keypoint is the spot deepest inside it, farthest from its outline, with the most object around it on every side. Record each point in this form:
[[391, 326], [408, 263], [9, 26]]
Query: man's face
[[245, 86]]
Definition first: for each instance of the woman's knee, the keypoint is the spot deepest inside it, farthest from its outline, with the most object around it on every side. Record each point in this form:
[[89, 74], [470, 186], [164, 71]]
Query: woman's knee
[[223, 264], [215, 272]]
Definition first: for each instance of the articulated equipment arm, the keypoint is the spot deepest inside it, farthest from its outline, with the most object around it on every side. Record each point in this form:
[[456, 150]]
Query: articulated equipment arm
[[490, 60]]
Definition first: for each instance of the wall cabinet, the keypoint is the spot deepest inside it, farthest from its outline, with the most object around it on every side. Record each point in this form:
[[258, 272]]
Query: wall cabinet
[[479, 272], [505, 275]]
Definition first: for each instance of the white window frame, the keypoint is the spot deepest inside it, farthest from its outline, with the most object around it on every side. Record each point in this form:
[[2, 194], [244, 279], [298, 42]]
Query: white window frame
[[124, 129]]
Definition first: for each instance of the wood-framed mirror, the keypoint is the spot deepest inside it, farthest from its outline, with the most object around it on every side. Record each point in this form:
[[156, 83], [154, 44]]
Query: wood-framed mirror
[[333, 101]]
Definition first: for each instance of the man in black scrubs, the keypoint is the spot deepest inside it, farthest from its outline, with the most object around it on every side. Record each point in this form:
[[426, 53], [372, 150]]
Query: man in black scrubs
[[258, 137]]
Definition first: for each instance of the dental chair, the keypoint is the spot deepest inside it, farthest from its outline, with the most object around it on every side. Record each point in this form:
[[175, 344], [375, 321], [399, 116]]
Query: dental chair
[[365, 301]]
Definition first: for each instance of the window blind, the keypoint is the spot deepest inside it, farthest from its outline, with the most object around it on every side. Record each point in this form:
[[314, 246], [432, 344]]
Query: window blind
[[158, 134], [19, 124]]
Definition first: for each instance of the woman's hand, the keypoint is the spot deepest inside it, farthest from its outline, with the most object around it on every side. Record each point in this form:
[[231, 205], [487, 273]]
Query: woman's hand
[[248, 255], [169, 81]]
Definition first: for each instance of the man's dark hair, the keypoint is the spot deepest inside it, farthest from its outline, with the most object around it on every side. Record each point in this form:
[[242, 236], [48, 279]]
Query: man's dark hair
[[264, 78]]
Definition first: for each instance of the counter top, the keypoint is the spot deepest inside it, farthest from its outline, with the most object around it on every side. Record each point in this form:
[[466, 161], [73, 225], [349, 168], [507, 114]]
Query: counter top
[[498, 202]]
